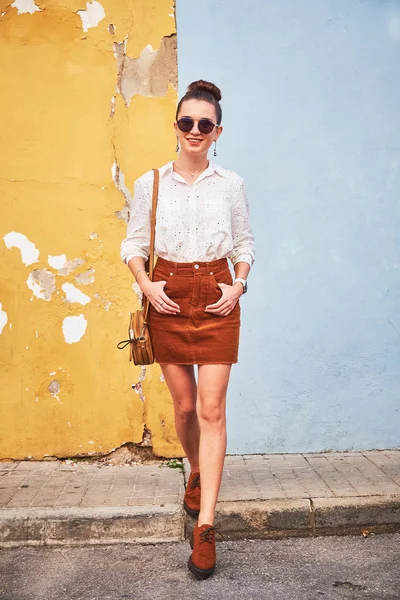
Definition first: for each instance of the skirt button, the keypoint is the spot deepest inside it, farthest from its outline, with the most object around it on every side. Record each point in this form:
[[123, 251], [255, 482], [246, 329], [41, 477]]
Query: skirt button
[[196, 266]]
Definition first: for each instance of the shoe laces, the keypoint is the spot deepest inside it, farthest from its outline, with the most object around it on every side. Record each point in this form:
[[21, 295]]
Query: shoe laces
[[208, 534], [195, 482]]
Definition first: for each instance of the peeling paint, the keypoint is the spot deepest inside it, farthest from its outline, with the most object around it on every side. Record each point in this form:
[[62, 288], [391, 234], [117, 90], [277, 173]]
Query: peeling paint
[[119, 180], [25, 6], [3, 318], [74, 295], [150, 73], [112, 111], [57, 262], [54, 387], [123, 214], [70, 266], [138, 291], [146, 440], [62, 200], [85, 278], [92, 16], [64, 266], [138, 389], [74, 328], [106, 303], [29, 252], [42, 283], [138, 386]]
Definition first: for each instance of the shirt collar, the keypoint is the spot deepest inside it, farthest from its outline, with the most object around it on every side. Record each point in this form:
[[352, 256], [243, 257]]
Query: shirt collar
[[212, 168]]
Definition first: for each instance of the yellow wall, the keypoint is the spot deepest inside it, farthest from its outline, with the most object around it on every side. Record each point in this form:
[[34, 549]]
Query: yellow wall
[[71, 145]]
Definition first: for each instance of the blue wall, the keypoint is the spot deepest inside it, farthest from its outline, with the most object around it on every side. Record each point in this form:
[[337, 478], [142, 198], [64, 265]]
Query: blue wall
[[311, 110]]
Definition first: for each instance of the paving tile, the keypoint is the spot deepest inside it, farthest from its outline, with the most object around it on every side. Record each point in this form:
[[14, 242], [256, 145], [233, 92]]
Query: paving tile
[[45, 503], [11, 504], [7, 466], [386, 464], [25, 466], [269, 495], [141, 501], [393, 455], [116, 501], [47, 466], [251, 477]]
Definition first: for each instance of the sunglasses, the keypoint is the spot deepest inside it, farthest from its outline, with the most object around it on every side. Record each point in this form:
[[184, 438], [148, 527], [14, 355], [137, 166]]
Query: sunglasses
[[205, 125]]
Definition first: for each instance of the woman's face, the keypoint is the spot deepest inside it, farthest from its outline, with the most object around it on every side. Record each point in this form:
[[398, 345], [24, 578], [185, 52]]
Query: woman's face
[[194, 142]]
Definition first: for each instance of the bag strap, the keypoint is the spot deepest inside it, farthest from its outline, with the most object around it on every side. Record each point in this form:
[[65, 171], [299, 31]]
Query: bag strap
[[145, 303]]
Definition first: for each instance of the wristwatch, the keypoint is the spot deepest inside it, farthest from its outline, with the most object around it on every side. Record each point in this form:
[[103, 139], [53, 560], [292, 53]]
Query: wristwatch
[[243, 282]]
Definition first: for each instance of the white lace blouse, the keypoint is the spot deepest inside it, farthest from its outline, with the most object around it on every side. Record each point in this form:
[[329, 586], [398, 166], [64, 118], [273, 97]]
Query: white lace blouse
[[204, 221]]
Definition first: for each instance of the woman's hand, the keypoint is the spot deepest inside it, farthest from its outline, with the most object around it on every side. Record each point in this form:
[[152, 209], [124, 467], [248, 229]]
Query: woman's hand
[[228, 300], [154, 290]]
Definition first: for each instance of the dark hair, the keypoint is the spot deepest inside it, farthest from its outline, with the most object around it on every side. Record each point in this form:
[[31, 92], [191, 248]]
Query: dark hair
[[203, 90]]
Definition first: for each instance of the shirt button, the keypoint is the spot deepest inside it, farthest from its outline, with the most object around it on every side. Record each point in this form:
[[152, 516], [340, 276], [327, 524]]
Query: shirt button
[[196, 266]]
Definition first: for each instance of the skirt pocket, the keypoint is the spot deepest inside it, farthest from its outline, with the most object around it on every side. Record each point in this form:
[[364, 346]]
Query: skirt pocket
[[178, 286], [225, 277], [214, 291]]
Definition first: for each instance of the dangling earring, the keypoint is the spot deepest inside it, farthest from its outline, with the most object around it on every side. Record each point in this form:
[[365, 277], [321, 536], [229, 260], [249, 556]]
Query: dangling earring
[[215, 147], [177, 145]]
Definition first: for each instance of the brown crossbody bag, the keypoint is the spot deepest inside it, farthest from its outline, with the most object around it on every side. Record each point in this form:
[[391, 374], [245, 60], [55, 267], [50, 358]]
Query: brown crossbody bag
[[140, 347]]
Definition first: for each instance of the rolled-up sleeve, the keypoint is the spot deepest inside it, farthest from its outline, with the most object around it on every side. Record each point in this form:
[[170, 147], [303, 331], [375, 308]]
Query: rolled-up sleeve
[[137, 241], [242, 233]]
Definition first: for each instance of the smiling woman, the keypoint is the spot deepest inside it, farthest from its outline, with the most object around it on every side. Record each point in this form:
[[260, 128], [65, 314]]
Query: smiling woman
[[201, 99], [202, 219]]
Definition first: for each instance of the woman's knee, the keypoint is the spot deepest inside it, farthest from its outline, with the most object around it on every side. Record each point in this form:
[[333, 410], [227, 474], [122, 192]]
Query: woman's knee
[[211, 410], [184, 411]]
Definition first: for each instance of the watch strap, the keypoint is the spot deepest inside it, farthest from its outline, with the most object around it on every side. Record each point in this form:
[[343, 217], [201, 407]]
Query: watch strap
[[243, 282]]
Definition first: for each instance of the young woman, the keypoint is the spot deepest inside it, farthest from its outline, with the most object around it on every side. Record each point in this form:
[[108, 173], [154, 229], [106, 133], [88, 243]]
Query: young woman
[[194, 315]]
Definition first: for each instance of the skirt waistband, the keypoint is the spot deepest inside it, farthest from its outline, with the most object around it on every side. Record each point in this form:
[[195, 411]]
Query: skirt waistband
[[211, 267]]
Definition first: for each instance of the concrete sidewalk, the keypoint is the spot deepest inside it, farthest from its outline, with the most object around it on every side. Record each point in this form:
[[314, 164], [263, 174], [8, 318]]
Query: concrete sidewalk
[[261, 496]]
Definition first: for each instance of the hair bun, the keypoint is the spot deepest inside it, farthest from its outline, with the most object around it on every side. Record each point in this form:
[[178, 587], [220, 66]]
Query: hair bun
[[205, 86]]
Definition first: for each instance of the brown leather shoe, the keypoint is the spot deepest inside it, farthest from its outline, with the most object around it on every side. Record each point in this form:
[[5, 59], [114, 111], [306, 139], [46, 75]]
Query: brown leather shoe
[[203, 558], [191, 500]]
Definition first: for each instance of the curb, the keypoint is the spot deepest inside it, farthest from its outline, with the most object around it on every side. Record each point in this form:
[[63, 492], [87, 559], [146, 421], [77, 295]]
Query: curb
[[339, 516], [306, 517], [237, 520], [81, 526]]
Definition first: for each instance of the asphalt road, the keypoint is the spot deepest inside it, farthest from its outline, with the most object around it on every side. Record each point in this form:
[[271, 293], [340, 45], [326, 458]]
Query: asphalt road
[[334, 568]]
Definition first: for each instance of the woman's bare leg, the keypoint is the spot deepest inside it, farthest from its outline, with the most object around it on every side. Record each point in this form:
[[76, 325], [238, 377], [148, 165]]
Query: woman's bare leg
[[181, 383], [211, 411]]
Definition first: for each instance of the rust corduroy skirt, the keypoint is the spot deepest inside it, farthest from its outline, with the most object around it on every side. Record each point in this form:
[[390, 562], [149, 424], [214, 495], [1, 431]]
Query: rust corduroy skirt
[[194, 336]]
